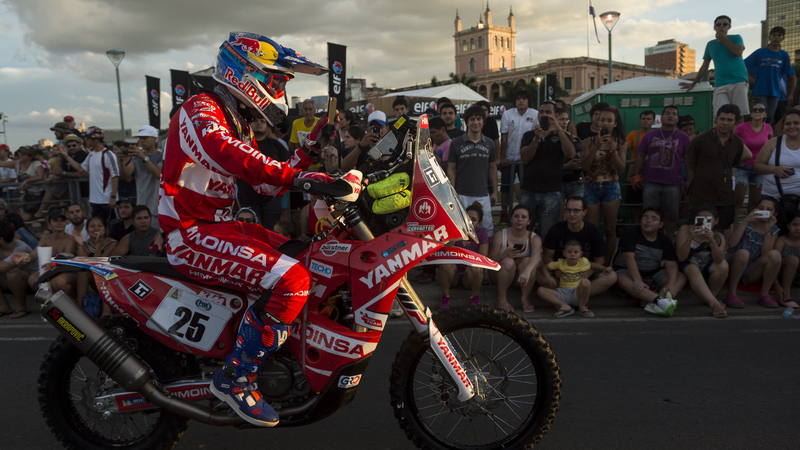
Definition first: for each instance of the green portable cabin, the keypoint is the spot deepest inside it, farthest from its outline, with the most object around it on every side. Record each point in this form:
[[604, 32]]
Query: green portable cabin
[[634, 95]]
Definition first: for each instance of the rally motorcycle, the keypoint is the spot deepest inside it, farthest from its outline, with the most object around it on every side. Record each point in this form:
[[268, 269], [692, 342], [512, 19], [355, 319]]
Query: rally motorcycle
[[475, 377]]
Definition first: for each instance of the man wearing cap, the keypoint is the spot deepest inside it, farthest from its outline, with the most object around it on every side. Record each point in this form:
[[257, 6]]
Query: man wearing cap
[[146, 168], [102, 170], [73, 144], [302, 126], [61, 130], [7, 174], [70, 121], [376, 127], [56, 191]]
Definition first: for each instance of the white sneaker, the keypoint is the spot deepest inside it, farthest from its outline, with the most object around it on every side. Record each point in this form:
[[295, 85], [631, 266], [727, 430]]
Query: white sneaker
[[655, 308], [396, 311]]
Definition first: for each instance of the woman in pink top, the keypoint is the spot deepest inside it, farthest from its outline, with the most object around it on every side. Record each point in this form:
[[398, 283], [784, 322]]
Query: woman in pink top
[[755, 134]]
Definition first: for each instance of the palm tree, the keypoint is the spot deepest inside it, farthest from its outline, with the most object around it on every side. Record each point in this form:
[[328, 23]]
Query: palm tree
[[463, 79], [510, 88]]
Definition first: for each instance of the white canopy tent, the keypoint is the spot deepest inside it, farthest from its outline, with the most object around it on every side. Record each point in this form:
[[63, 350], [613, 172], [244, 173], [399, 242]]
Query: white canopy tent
[[452, 91]]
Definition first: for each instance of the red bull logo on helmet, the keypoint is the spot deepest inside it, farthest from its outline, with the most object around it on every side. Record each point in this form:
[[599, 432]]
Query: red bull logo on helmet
[[247, 88], [258, 50]]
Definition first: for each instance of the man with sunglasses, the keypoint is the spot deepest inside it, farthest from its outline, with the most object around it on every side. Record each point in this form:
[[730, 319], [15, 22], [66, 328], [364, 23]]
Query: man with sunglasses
[[730, 73], [64, 169]]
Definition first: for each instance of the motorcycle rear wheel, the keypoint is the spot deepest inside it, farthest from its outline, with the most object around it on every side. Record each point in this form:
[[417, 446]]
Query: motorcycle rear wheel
[[508, 360], [68, 382]]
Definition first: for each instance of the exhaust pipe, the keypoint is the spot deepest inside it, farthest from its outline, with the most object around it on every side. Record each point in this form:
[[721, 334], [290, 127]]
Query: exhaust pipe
[[117, 360]]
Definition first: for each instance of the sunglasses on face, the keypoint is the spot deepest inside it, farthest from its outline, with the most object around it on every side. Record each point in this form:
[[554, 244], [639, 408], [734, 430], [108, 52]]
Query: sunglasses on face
[[72, 145], [759, 110], [246, 220], [722, 24]]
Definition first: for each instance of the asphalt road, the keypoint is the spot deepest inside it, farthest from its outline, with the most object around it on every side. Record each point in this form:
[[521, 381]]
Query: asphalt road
[[630, 381]]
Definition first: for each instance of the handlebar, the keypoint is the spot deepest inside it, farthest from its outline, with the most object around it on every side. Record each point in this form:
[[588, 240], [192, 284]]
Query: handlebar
[[338, 188]]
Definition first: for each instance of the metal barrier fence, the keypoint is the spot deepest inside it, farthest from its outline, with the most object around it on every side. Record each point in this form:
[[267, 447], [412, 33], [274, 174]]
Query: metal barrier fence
[[624, 211], [13, 196]]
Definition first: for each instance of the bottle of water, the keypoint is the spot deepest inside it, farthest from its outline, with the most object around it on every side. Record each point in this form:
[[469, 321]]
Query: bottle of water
[[788, 312]]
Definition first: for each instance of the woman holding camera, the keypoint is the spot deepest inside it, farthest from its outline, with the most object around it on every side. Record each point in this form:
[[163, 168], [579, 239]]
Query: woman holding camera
[[751, 254], [701, 251], [603, 161], [779, 159]]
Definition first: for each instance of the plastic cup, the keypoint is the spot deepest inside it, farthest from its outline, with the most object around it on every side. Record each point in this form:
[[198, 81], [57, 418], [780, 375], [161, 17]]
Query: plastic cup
[[45, 254]]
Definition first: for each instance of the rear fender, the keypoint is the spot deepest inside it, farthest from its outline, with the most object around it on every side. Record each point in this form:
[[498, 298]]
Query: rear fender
[[50, 274]]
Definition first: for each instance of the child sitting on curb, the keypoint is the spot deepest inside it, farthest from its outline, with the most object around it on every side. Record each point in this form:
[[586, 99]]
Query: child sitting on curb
[[643, 250], [573, 289], [789, 246], [702, 251], [751, 254]]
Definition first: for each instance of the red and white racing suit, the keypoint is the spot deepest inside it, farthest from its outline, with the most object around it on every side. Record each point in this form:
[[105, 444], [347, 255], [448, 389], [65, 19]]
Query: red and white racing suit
[[202, 161]]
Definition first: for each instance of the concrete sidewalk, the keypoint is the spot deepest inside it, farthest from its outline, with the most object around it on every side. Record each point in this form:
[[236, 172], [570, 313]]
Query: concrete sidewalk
[[608, 304]]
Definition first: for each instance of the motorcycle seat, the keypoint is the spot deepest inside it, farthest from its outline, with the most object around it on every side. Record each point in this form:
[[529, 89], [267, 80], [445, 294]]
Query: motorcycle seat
[[161, 266]]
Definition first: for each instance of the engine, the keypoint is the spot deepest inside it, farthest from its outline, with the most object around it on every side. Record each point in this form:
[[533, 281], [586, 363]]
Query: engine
[[281, 379]]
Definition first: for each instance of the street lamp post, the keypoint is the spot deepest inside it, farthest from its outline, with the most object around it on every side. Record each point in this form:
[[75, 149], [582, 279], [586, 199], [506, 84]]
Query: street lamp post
[[609, 19], [538, 79], [116, 57], [3, 119]]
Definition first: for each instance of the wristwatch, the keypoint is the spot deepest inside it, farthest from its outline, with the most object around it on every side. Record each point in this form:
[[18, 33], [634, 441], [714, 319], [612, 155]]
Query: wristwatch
[[146, 158]]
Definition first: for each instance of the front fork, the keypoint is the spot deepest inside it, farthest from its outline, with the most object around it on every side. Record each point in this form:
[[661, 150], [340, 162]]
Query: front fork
[[421, 318]]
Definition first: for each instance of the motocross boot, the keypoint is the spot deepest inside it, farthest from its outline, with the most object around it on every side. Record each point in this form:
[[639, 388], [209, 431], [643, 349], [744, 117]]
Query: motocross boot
[[235, 383]]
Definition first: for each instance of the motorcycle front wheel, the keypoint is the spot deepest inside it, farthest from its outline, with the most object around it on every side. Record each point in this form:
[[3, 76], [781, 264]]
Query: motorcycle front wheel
[[514, 371], [71, 391]]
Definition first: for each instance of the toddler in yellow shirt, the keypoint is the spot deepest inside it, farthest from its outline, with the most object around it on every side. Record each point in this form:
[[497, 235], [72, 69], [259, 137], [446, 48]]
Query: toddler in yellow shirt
[[573, 289]]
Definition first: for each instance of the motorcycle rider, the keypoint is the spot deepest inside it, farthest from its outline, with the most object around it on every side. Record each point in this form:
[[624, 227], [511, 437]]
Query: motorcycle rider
[[209, 147]]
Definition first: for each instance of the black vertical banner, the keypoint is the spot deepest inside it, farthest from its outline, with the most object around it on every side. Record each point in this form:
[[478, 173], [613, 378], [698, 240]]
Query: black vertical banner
[[337, 62], [154, 101], [181, 81]]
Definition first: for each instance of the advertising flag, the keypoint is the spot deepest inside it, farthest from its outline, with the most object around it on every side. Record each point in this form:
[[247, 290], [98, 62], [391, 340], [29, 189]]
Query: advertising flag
[[337, 63], [154, 100], [594, 20], [181, 81]]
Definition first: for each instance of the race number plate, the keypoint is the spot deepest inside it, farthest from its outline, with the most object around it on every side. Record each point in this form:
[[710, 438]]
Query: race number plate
[[190, 319]]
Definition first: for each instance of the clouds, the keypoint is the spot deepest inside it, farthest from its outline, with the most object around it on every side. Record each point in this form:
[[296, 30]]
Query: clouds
[[52, 54]]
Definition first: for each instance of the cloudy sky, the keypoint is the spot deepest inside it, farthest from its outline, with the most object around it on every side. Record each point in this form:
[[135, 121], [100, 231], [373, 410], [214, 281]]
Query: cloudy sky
[[53, 62]]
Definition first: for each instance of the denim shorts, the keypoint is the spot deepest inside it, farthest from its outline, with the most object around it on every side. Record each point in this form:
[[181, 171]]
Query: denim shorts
[[747, 175], [597, 193], [705, 270]]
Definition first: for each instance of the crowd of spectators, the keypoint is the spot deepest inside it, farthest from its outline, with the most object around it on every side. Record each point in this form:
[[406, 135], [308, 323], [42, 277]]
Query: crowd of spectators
[[563, 233]]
